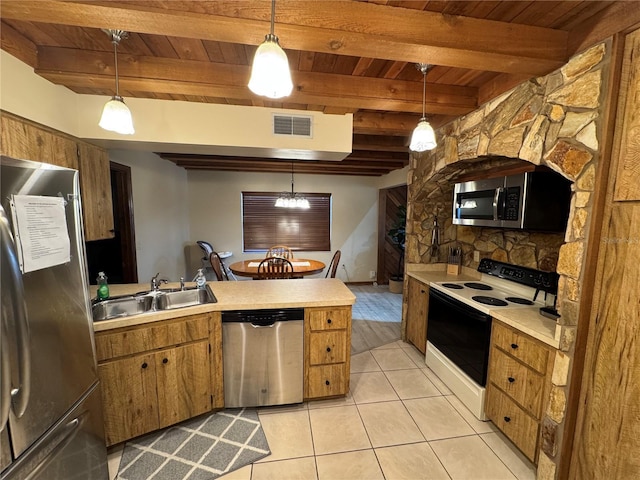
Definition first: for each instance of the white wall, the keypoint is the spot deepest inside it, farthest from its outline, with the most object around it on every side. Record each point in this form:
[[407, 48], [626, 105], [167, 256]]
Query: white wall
[[215, 214], [161, 213]]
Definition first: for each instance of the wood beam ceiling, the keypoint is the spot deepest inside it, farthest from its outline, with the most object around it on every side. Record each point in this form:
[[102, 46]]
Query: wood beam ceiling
[[391, 33]]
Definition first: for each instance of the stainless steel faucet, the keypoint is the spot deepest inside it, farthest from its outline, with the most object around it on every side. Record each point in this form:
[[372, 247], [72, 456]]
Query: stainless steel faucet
[[182, 284], [156, 282]]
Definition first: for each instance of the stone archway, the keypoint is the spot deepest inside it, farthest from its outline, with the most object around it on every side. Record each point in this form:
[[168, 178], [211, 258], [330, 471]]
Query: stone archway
[[554, 121]]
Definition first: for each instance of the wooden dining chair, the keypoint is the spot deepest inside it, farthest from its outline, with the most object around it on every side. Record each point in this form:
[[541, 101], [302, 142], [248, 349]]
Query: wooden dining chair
[[218, 267], [280, 251], [333, 266], [275, 267]]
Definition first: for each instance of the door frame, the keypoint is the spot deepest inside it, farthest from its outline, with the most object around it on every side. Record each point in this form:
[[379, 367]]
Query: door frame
[[122, 192]]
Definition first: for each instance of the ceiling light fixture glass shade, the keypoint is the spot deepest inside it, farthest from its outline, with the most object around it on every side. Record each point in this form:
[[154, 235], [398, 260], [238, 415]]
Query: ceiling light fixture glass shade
[[270, 74], [423, 137], [292, 199], [116, 116]]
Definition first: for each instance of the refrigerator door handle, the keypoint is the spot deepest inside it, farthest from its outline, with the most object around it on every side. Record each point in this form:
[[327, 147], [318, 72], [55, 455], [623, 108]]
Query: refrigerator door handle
[[12, 285], [5, 379]]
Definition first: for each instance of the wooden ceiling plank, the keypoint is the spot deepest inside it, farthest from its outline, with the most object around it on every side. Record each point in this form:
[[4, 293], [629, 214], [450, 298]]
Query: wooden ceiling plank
[[394, 69], [18, 45], [498, 86], [159, 46], [189, 49], [362, 66], [394, 33], [616, 18], [305, 61], [384, 123]]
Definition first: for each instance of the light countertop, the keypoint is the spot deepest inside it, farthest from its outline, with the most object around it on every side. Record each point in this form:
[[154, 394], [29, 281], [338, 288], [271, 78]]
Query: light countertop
[[247, 295], [525, 319]]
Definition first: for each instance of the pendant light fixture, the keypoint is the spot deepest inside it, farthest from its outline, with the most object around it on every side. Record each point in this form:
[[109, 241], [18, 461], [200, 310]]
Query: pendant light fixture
[[116, 116], [423, 137], [270, 75], [292, 200]]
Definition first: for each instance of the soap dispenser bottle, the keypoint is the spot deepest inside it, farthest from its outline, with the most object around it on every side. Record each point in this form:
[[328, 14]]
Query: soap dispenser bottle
[[201, 280], [103, 286]]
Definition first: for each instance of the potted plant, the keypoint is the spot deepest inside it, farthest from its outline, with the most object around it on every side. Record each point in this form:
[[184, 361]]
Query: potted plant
[[397, 235]]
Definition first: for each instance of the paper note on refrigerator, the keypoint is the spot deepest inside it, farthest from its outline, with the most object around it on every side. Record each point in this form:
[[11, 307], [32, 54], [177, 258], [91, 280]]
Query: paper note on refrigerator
[[40, 229]]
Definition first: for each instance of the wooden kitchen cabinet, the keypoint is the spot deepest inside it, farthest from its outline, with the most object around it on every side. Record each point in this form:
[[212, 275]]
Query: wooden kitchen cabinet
[[417, 308], [519, 380], [95, 187], [21, 138], [158, 374], [328, 352]]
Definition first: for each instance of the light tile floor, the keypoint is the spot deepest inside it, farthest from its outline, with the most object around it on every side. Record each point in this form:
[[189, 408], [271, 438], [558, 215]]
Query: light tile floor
[[399, 421]]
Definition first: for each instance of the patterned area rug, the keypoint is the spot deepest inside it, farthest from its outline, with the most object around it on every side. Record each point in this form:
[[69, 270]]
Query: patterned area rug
[[203, 448]]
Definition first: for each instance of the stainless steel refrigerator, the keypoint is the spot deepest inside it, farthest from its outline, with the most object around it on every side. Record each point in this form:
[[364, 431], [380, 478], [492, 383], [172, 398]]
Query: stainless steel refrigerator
[[51, 410]]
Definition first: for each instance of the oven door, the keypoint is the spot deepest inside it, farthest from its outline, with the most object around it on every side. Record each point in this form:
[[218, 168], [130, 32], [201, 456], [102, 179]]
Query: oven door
[[461, 333]]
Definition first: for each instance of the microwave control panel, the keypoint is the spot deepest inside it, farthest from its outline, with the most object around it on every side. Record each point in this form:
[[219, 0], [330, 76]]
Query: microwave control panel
[[512, 203]]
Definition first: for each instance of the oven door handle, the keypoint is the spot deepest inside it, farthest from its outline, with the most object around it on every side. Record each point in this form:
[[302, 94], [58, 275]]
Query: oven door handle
[[457, 305]]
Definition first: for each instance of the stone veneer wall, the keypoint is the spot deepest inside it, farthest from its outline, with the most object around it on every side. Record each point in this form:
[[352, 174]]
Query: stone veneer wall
[[554, 121]]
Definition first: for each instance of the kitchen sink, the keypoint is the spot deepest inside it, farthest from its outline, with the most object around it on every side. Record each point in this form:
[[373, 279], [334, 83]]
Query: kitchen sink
[[184, 298], [144, 302], [121, 307]]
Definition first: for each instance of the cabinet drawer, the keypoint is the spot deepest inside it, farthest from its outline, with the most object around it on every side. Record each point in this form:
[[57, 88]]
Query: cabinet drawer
[[328, 347], [518, 381], [327, 318], [327, 380], [129, 341], [521, 347], [514, 422]]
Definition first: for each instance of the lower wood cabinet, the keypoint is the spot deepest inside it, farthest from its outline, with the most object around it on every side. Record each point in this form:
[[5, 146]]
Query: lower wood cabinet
[[417, 308], [519, 380], [160, 374], [327, 352]]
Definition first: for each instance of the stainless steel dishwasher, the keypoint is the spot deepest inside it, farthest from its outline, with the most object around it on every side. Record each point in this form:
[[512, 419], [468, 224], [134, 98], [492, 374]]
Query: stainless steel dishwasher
[[263, 357]]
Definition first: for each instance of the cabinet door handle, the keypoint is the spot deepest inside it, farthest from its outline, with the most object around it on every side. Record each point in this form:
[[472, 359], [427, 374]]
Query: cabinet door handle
[[514, 345], [422, 291], [327, 382], [144, 365], [328, 320], [511, 379], [507, 419], [165, 360], [328, 349]]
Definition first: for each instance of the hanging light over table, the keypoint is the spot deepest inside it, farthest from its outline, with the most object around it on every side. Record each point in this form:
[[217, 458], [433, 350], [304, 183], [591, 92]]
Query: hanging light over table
[[116, 116], [270, 75], [293, 199], [423, 137]]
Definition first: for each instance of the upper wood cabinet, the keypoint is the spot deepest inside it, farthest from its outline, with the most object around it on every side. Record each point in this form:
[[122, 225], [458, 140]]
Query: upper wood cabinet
[[95, 185], [27, 140]]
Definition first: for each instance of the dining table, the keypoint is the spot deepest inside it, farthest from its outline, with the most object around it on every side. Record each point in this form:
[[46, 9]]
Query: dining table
[[301, 267]]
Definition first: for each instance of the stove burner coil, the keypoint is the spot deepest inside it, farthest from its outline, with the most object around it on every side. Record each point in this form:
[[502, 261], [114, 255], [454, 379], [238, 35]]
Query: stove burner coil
[[453, 286], [496, 302], [522, 301], [478, 286]]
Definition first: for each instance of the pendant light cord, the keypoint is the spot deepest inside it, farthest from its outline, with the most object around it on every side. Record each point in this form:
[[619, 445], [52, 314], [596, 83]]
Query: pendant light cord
[[115, 57], [424, 89], [273, 15]]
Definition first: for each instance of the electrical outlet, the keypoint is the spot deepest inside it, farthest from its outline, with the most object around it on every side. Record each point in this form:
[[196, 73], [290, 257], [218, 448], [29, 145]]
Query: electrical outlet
[[476, 256], [372, 274]]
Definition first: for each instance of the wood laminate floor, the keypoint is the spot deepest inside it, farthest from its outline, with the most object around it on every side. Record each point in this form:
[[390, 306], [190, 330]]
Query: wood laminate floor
[[377, 316]]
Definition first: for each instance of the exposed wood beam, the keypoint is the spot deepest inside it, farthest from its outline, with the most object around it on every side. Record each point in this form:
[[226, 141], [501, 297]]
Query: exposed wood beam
[[381, 31], [498, 85], [18, 46], [77, 68], [396, 124]]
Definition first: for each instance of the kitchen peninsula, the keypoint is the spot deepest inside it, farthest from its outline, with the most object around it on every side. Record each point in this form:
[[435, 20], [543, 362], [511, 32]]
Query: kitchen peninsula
[[160, 368]]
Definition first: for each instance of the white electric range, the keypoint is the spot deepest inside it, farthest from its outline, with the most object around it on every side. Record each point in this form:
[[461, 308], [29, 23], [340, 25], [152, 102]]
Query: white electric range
[[459, 323]]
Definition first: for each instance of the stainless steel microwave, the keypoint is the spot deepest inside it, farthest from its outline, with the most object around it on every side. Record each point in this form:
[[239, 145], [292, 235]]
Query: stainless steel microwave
[[537, 200]]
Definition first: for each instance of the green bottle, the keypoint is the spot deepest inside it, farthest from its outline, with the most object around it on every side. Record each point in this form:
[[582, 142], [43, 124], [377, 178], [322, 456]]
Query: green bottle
[[103, 286]]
